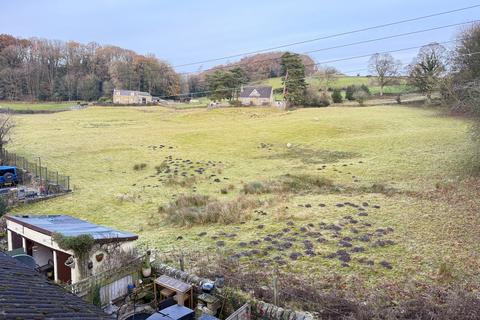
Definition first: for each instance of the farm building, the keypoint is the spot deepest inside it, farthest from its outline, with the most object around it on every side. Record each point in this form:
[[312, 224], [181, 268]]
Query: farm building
[[256, 96], [131, 97], [37, 236]]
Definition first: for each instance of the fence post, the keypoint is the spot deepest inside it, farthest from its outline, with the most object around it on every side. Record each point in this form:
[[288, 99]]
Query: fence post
[[275, 287], [182, 261], [46, 175], [68, 182], [57, 178]]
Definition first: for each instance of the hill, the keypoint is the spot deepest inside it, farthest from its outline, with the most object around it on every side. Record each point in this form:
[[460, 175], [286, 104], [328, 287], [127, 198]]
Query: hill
[[264, 65]]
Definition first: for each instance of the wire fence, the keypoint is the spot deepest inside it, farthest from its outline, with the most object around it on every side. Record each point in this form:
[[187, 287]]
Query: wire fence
[[41, 173]]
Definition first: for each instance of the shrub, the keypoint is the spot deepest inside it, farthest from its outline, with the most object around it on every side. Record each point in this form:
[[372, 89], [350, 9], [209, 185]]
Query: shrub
[[365, 88], [139, 166], [313, 98], [188, 210], [357, 93], [337, 96], [255, 187], [360, 96], [105, 100], [349, 91], [235, 103], [81, 244], [278, 91]]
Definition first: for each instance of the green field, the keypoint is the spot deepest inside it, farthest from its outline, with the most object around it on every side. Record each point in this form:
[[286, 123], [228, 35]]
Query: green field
[[341, 82], [47, 106], [391, 157]]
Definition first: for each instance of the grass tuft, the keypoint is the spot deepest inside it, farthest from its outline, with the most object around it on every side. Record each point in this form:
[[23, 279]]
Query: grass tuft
[[302, 183], [139, 166], [189, 210]]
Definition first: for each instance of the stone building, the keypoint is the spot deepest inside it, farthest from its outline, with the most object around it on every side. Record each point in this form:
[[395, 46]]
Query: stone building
[[131, 97], [35, 236], [256, 96]]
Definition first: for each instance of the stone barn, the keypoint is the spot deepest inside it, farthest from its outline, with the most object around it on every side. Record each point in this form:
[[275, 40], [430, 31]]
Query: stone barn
[[256, 96], [131, 97]]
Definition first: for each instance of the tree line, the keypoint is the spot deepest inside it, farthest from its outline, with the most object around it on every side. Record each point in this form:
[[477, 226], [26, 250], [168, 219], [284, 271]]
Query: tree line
[[40, 69]]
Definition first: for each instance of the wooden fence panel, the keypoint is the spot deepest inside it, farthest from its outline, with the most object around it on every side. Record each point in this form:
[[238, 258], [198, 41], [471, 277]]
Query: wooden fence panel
[[115, 289]]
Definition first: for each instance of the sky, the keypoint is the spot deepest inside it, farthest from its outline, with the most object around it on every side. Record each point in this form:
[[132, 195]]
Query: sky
[[187, 31]]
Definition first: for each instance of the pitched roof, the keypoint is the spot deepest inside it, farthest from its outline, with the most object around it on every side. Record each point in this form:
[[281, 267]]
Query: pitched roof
[[26, 294], [129, 92], [70, 226], [256, 92]]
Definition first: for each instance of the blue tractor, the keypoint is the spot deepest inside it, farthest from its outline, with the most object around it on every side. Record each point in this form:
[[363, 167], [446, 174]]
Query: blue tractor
[[8, 176]]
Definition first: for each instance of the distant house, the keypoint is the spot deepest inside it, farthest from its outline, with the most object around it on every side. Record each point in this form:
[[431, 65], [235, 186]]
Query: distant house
[[26, 294], [131, 97], [35, 236], [256, 96]]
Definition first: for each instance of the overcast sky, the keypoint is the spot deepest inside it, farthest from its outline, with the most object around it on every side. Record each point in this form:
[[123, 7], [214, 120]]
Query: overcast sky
[[188, 31]]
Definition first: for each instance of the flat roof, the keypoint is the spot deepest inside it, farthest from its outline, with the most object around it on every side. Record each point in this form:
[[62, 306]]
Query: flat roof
[[70, 226]]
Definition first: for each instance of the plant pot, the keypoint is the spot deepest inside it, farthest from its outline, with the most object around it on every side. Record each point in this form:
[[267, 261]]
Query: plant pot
[[146, 272]]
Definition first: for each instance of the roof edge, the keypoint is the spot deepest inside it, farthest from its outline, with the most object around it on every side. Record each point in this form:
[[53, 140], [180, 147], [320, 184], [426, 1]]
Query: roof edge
[[50, 233]]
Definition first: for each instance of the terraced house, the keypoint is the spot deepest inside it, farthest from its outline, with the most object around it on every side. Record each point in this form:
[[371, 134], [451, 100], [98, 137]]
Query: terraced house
[[131, 97]]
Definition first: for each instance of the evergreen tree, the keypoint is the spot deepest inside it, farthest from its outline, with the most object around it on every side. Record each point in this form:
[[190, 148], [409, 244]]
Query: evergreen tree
[[337, 96], [224, 84], [293, 71]]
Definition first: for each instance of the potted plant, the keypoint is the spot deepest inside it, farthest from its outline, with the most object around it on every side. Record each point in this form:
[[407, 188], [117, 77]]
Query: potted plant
[[146, 266], [99, 257]]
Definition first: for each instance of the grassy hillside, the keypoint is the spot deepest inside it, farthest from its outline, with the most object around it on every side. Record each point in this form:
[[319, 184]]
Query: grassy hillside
[[312, 170], [341, 82]]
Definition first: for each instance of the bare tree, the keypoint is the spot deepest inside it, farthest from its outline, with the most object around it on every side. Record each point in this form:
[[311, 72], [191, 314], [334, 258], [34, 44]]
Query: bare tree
[[385, 68], [427, 68], [6, 126], [326, 76]]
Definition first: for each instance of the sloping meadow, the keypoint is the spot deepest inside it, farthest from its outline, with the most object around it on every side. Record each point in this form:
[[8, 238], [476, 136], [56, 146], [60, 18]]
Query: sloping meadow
[[313, 191]]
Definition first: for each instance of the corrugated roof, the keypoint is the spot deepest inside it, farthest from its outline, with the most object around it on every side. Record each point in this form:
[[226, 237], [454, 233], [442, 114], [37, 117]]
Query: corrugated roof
[[25, 294], [129, 92], [256, 92], [70, 226]]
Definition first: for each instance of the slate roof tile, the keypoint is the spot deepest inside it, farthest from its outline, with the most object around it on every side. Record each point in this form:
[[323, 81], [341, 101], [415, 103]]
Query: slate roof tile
[[26, 294]]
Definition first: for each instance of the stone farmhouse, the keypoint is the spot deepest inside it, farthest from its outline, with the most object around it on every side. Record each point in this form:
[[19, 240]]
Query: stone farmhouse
[[256, 96], [131, 97], [35, 236]]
